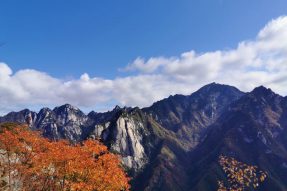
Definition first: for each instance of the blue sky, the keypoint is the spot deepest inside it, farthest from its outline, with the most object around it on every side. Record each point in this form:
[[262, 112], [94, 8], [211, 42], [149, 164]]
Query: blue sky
[[95, 54], [69, 37]]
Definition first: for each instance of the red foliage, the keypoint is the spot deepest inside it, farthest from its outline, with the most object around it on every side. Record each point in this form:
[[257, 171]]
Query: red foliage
[[31, 162]]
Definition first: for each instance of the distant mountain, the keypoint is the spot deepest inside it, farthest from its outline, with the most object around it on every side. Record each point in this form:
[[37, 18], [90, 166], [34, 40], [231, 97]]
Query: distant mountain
[[253, 130], [175, 143]]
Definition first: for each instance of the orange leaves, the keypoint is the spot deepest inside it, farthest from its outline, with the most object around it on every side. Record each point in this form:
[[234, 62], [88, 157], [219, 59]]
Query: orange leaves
[[94, 147], [43, 165], [240, 176]]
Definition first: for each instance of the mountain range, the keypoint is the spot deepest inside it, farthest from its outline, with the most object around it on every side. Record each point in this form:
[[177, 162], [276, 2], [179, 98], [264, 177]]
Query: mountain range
[[175, 143]]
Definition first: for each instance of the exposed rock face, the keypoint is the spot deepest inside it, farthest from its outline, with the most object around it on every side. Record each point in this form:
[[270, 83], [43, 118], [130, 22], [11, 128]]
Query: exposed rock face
[[117, 129], [175, 143], [62, 122], [128, 140], [124, 135], [24, 116]]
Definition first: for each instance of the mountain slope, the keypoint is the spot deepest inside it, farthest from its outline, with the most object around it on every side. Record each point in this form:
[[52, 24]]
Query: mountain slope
[[252, 130], [190, 116]]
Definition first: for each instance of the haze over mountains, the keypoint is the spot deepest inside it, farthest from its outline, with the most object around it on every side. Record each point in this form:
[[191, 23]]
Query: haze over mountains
[[175, 143]]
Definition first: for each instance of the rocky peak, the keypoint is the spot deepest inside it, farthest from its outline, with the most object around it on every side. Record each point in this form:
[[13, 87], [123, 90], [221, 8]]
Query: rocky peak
[[214, 97], [263, 106], [199, 109], [215, 88], [24, 116], [66, 108], [92, 113], [117, 108], [264, 97], [44, 111], [262, 89], [263, 92], [260, 97], [68, 113]]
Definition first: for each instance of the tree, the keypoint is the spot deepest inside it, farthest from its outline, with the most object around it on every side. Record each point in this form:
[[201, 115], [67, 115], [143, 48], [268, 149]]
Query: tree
[[31, 162], [240, 176]]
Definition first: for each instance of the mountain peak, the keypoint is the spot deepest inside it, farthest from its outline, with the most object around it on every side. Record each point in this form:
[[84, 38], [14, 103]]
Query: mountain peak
[[45, 110], [117, 107], [262, 91], [214, 86], [66, 107], [211, 88]]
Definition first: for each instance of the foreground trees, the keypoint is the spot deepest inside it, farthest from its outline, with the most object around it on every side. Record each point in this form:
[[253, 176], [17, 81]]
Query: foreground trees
[[31, 162], [240, 176]]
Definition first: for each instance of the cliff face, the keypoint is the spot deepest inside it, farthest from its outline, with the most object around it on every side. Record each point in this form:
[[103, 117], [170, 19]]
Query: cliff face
[[124, 134], [175, 143]]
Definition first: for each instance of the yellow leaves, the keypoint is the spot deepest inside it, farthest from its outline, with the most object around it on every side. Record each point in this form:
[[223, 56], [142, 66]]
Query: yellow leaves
[[45, 165], [263, 176], [221, 186], [240, 175]]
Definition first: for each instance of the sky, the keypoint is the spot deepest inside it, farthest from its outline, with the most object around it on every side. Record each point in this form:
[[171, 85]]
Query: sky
[[98, 54]]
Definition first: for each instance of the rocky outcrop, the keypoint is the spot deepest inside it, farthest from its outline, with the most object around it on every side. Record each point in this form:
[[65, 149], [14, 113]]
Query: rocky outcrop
[[124, 134], [62, 122], [117, 129], [24, 116], [128, 141]]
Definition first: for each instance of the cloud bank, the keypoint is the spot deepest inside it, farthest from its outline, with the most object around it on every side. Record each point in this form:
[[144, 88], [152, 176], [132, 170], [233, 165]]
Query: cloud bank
[[261, 61]]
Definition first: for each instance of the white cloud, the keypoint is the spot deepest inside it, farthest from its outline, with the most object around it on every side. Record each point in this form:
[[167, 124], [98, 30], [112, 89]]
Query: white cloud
[[262, 61], [149, 66]]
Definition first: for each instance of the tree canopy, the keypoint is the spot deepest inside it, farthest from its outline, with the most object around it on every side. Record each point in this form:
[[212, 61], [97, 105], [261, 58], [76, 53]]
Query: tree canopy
[[30, 162], [240, 176]]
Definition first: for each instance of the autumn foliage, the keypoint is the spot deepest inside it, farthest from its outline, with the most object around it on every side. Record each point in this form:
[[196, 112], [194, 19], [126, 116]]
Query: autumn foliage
[[30, 162], [240, 176]]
